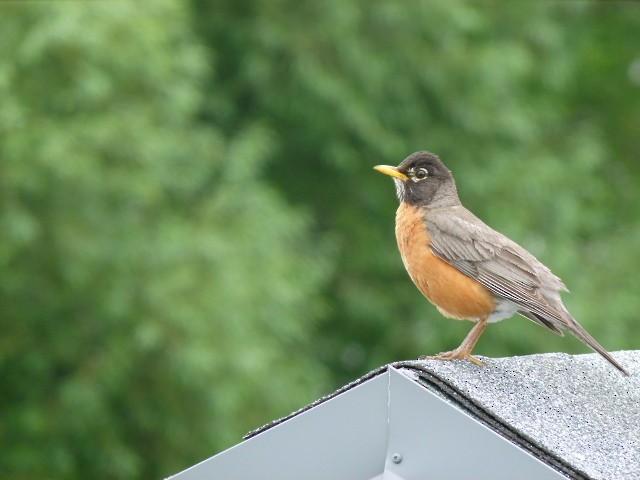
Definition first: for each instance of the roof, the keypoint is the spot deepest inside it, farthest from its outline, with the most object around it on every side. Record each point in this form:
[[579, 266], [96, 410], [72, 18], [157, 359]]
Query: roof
[[548, 416], [574, 412]]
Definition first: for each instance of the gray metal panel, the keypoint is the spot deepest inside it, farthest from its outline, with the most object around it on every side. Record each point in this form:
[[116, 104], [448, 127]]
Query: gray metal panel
[[344, 438], [438, 441]]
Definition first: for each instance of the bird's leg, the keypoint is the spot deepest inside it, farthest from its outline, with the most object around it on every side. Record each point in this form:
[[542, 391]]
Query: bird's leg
[[465, 348]]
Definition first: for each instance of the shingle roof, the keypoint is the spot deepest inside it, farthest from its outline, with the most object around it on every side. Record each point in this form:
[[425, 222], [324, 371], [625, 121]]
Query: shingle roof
[[575, 413]]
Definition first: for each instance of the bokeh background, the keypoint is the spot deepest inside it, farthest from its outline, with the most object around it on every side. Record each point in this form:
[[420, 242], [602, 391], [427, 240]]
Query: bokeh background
[[192, 238]]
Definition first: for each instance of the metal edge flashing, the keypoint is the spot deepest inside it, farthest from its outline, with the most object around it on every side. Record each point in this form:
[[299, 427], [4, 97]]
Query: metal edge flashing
[[349, 386]]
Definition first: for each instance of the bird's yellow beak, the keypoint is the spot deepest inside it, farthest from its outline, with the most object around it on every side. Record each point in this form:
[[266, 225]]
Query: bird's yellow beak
[[392, 171]]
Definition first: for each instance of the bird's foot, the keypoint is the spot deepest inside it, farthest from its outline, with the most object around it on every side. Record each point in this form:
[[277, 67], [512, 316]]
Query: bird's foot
[[454, 355]]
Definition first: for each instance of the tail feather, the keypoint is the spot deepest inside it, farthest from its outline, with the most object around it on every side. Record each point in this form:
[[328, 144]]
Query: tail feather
[[574, 327]]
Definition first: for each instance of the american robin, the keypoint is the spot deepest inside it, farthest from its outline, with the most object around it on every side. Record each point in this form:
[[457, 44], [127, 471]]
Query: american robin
[[464, 267]]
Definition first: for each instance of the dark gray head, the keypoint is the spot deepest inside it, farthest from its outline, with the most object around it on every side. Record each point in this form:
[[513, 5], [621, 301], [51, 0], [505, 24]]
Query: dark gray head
[[423, 180]]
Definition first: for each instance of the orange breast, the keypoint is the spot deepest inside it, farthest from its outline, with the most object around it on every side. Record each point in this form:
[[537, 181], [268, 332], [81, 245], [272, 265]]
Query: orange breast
[[455, 294]]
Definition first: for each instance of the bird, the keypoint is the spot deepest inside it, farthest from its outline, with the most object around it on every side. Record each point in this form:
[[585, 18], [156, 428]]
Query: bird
[[468, 270]]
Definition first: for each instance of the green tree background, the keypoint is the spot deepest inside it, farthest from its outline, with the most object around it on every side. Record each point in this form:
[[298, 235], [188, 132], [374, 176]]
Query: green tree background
[[192, 240]]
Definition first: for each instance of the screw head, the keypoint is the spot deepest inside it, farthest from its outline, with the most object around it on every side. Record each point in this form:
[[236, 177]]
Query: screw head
[[396, 457]]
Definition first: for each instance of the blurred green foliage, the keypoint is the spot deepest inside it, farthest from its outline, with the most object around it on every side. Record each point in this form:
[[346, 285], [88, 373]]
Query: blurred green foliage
[[193, 241]]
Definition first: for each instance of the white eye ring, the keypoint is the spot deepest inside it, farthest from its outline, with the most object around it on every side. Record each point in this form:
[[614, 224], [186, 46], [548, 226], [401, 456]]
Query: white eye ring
[[420, 174]]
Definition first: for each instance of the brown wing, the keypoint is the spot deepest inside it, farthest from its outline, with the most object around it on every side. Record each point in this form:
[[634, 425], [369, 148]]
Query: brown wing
[[502, 266]]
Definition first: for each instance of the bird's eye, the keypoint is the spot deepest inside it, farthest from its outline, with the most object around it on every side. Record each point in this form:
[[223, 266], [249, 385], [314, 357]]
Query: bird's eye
[[421, 173]]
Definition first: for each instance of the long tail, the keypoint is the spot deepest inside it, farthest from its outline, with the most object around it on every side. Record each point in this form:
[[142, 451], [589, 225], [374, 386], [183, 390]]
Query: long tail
[[574, 327]]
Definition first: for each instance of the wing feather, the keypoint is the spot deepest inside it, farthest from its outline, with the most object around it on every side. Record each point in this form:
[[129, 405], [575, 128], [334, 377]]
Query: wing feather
[[496, 262]]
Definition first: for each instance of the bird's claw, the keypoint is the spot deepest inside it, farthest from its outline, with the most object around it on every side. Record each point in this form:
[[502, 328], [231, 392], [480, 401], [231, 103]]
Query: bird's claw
[[453, 355]]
